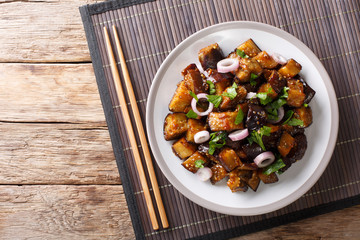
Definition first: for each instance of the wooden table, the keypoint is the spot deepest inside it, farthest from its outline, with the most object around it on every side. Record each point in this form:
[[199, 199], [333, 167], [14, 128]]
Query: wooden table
[[57, 169]]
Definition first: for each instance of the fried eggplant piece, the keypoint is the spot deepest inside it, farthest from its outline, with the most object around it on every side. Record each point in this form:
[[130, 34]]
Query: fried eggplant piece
[[219, 173], [298, 151], [221, 80], [265, 60], [309, 92], [266, 88], [223, 121], [175, 125], [244, 107], [250, 48], [286, 143], [277, 83], [254, 181], [221, 86], [228, 103], [194, 126], [246, 165], [181, 101], [210, 56], [292, 130], [190, 163], [290, 69], [194, 81], [296, 95], [229, 159], [237, 180], [218, 77], [189, 67], [251, 150], [253, 85], [271, 178], [256, 117], [204, 149], [247, 66], [304, 114], [183, 149], [275, 134]]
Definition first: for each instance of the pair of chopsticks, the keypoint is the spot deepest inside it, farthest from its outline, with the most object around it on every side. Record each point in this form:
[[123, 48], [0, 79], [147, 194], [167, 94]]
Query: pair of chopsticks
[[140, 129]]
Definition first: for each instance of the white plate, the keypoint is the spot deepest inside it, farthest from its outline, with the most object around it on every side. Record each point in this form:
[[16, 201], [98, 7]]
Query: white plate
[[321, 135]]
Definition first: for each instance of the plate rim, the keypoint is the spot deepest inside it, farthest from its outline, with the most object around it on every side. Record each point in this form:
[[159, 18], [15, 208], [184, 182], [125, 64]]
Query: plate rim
[[334, 121]]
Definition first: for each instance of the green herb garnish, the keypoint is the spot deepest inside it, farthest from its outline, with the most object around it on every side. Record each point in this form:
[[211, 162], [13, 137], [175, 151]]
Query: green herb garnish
[[288, 116], [214, 99], [194, 96], [295, 122], [239, 117], [292, 121], [231, 92], [272, 108], [264, 96], [256, 136], [306, 105], [241, 53], [199, 163], [191, 114], [274, 167], [252, 79], [217, 140], [211, 87], [284, 93]]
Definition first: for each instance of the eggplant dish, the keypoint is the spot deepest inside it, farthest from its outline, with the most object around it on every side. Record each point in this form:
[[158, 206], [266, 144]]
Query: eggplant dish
[[239, 117]]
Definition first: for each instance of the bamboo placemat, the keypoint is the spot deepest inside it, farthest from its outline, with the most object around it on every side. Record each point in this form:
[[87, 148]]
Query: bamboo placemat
[[149, 30]]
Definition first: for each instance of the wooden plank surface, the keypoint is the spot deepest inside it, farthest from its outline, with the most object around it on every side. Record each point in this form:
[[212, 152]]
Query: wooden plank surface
[[58, 177], [99, 212], [64, 212], [33, 153], [49, 93], [42, 31]]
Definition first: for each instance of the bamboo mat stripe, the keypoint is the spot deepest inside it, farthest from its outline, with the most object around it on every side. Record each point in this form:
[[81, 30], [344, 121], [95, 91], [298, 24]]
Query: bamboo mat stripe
[[149, 31]]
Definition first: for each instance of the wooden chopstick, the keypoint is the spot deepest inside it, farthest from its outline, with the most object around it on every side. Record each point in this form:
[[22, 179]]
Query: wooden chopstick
[[130, 131], [141, 132]]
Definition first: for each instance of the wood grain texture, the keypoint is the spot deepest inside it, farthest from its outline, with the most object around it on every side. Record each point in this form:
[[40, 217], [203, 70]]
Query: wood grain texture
[[342, 224], [49, 93], [56, 154], [64, 212], [42, 31], [100, 212]]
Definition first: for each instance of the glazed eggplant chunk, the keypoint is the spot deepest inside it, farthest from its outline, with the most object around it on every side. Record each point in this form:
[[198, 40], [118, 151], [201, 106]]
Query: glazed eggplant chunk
[[240, 118], [210, 56]]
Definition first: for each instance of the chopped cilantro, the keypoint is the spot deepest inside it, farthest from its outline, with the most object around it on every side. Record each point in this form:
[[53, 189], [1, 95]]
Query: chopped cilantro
[[239, 117], [288, 116], [292, 121], [264, 96], [211, 87], [295, 122], [231, 92], [272, 108], [191, 114], [306, 105], [217, 140], [194, 96], [214, 99], [274, 167], [284, 93], [252, 79], [199, 163], [241, 53], [256, 136]]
